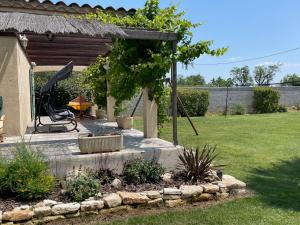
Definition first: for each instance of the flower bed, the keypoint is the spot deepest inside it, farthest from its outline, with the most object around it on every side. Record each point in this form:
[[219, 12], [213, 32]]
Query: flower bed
[[170, 196]]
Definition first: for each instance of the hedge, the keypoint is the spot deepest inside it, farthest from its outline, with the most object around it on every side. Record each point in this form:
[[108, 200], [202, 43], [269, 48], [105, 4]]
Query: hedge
[[195, 101], [266, 100]]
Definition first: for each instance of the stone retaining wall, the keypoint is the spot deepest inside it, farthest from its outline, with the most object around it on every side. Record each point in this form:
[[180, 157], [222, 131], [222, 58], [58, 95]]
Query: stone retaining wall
[[49, 210]]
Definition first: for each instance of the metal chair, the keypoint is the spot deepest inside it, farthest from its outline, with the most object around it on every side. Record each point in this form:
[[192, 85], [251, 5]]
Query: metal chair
[[56, 115]]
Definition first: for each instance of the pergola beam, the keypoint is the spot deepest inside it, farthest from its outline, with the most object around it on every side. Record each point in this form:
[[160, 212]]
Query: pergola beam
[[141, 34]]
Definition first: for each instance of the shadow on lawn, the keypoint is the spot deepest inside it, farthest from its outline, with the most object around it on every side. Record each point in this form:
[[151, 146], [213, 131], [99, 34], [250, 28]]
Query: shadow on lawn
[[278, 186]]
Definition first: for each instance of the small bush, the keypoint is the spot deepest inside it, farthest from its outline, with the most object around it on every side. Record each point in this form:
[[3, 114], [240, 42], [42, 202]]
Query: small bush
[[196, 165], [142, 171], [195, 101], [282, 109], [26, 176], [83, 187], [238, 109], [266, 100]]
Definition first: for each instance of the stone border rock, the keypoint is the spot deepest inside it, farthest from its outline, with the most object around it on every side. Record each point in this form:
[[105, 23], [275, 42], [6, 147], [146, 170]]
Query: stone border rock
[[49, 210]]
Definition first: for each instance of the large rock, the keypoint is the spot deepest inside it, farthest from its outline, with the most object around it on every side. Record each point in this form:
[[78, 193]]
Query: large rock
[[117, 183], [46, 202], [231, 182], [48, 219], [238, 192], [174, 203], [203, 197], [156, 202], [17, 215], [152, 194], [112, 200], [172, 191], [171, 197], [190, 190], [130, 198], [91, 205], [43, 211], [222, 196], [68, 208], [210, 188]]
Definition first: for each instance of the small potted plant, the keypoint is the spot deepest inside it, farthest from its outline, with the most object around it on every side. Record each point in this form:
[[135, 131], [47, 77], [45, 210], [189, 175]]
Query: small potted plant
[[124, 121]]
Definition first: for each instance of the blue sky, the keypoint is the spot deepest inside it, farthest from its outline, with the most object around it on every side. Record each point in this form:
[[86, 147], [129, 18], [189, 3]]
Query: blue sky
[[250, 28]]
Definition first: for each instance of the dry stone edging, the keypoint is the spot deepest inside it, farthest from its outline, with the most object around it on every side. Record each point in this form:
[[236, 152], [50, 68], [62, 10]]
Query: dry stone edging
[[49, 210]]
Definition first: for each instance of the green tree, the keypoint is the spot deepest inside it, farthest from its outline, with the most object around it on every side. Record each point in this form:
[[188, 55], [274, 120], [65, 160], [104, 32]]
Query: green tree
[[135, 64], [193, 80], [241, 76], [263, 75], [220, 82], [291, 80]]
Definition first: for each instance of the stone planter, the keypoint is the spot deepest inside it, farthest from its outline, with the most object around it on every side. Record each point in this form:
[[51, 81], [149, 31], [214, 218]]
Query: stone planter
[[125, 122], [100, 144], [100, 114]]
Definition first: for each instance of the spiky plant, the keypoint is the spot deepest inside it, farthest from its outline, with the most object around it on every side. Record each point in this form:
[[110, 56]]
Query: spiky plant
[[196, 164]]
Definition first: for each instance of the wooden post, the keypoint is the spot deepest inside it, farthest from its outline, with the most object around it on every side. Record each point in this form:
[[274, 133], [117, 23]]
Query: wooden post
[[174, 96]]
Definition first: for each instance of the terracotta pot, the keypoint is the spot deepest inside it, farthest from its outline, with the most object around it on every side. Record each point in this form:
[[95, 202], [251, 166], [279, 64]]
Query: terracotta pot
[[100, 144], [100, 114], [125, 122]]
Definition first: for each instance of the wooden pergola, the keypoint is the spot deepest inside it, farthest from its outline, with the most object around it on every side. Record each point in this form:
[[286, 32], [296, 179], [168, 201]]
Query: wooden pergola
[[79, 41]]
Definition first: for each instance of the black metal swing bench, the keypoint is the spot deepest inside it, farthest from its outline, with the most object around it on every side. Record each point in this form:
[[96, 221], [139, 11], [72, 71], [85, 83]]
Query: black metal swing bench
[[60, 117]]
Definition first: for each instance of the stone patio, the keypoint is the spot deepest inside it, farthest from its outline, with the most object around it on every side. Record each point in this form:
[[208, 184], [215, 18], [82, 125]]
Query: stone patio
[[62, 151]]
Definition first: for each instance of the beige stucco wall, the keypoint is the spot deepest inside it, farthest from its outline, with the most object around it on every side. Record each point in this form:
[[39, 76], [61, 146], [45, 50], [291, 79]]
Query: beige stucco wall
[[14, 86]]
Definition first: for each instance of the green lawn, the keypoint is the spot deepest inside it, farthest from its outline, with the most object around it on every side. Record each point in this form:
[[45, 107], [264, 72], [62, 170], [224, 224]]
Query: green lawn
[[262, 150]]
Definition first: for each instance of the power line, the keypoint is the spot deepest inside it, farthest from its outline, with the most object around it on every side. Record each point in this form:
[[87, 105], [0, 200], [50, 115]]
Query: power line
[[249, 59]]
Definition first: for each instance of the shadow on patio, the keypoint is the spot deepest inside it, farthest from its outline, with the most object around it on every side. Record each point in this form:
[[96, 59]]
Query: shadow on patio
[[278, 186]]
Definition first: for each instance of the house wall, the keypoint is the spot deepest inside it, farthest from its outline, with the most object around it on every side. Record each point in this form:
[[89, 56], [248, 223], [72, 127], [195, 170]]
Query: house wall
[[24, 89], [14, 86]]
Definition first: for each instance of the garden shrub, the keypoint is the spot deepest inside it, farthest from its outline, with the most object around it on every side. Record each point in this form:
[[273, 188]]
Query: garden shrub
[[196, 164], [238, 109], [141, 171], [83, 187], [26, 175], [266, 100], [195, 101]]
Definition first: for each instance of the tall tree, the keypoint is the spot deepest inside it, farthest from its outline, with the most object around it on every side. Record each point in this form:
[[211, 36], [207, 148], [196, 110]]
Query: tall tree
[[241, 76], [193, 80], [221, 82], [291, 80], [263, 75]]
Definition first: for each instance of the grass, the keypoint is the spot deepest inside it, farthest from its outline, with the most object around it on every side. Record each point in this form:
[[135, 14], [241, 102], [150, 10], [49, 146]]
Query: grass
[[262, 150]]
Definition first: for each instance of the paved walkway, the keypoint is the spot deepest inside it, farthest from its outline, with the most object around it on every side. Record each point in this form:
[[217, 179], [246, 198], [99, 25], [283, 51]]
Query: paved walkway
[[54, 145]]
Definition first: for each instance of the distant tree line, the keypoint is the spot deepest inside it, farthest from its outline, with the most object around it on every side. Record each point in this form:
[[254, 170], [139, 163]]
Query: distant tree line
[[262, 75]]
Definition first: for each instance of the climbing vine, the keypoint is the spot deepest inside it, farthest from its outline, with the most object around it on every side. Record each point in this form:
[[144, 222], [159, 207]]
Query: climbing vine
[[135, 64]]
